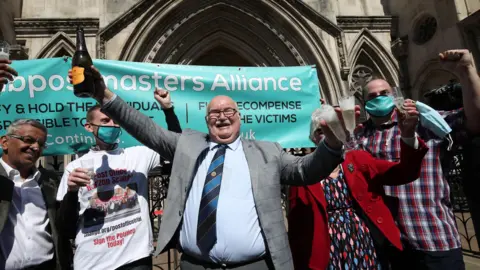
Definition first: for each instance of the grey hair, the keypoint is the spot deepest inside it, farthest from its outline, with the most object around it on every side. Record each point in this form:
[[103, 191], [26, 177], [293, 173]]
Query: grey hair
[[314, 124], [209, 103], [15, 126]]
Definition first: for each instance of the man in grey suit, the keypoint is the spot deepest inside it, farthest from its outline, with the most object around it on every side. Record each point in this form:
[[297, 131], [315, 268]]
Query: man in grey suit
[[241, 225]]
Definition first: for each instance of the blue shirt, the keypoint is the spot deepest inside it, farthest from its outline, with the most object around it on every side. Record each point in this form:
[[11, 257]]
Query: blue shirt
[[239, 237]]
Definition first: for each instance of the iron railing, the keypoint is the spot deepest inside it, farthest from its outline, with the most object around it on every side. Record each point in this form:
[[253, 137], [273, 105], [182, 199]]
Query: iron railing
[[159, 180]]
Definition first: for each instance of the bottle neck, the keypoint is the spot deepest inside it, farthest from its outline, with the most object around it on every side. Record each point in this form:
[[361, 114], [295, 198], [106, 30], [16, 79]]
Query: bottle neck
[[81, 46]]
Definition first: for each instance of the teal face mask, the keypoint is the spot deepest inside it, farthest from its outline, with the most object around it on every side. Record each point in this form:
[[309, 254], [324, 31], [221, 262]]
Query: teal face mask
[[108, 134], [380, 106]]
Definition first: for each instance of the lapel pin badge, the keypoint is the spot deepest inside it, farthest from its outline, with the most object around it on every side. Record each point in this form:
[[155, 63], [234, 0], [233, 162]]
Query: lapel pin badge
[[350, 167]]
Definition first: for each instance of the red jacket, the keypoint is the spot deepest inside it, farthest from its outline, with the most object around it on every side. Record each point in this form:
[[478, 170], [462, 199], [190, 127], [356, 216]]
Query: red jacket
[[365, 177]]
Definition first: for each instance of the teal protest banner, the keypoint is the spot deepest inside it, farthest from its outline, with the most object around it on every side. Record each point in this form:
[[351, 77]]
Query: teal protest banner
[[275, 102]]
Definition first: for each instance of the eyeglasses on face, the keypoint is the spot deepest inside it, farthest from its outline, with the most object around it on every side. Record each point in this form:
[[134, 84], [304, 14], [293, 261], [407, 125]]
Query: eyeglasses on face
[[215, 114], [29, 140]]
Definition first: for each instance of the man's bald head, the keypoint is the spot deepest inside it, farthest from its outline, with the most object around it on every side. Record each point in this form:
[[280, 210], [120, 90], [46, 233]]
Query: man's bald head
[[223, 120], [376, 87], [221, 99]]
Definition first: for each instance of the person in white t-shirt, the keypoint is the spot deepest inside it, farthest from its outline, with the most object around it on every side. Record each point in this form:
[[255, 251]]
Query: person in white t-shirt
[[104, 197]]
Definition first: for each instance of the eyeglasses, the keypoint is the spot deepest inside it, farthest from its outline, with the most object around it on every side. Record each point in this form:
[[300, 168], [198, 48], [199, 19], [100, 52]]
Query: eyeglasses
[[215, 114], [29, 140]]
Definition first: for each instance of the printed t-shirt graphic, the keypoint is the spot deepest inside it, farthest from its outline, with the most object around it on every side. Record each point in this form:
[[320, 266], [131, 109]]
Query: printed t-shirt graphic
[[114, 212]]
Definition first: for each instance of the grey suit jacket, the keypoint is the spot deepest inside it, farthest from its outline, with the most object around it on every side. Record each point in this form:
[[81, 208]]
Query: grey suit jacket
[[269, 167]]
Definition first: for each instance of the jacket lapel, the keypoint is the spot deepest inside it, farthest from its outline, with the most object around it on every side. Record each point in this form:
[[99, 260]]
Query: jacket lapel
[[353, 170], [317, 191], [198, 151], [253, 163], [6, 194], [48, 189]]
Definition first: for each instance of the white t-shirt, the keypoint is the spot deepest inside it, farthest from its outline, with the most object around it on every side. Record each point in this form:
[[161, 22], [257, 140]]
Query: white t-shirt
[[114, 227]]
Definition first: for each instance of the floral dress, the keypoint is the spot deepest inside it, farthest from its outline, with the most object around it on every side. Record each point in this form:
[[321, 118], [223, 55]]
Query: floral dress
[[351, 245]]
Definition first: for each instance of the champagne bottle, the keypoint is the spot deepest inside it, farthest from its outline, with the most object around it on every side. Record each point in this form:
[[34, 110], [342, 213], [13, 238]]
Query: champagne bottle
[[82, 77]]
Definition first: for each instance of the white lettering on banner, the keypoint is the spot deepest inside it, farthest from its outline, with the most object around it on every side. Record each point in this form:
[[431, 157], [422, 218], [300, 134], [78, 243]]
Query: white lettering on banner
[[237, 83], [33, 87], [198, 84], [70, 139], [130, 86], [51, 82], [144, 84], [112, 78], [169, 80], [21, 87], [39, 83]]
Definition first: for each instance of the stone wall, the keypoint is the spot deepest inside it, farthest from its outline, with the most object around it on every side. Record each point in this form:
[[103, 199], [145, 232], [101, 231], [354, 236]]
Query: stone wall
[[348, 40]]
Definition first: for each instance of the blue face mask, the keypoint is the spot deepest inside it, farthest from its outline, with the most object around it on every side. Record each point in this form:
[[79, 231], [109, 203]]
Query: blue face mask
[[108, 134], [380, 106], [433, 121]]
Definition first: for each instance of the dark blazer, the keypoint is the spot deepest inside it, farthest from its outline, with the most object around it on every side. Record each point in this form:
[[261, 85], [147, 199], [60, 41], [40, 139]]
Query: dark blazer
[[365, 177], [48, 183]]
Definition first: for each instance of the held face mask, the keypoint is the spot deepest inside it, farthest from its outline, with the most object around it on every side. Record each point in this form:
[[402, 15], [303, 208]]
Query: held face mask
[[380, 106], [433, 121]]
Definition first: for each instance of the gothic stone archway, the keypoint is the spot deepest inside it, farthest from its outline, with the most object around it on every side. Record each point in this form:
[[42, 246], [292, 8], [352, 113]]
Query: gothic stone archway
[[255, 33]]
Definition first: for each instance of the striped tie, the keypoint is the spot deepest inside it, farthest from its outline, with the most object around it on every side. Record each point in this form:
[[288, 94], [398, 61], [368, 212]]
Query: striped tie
[[207, 216]]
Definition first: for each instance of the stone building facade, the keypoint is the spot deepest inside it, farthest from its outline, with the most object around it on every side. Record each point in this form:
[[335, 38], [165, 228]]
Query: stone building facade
[[349, 41]]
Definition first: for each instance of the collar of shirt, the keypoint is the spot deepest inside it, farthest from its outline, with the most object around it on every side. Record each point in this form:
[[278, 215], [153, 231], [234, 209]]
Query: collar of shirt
[[14, 174], [370, 127], [112, 148], [233, 145], [116, 150]]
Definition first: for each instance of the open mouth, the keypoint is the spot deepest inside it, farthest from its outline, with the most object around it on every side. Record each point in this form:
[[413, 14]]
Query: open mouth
[[30, 154], [223, 125]]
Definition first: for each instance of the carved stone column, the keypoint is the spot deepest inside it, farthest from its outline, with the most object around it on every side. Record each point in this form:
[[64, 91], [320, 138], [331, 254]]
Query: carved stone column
[[358, 78], [18, 52], [400, 51]]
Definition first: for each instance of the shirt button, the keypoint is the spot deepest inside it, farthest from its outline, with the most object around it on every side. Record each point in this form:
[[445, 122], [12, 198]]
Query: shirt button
[[369, 209], [380, 220], [180, 213]]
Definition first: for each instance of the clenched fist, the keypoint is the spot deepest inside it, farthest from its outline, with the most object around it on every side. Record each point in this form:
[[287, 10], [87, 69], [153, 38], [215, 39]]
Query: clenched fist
[[163, 97]]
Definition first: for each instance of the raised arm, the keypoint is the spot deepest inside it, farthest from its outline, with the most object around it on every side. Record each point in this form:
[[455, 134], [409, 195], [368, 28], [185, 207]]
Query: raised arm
[[314, 167], [172, 120], [311, 168], [164, 99], [403, 172], [141, 127], [461, 63]]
